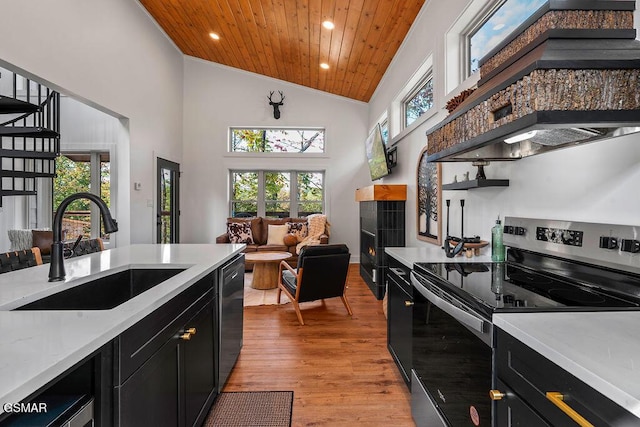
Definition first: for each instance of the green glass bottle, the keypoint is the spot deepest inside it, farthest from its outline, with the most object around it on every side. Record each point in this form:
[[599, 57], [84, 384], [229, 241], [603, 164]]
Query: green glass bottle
[[497, 247]]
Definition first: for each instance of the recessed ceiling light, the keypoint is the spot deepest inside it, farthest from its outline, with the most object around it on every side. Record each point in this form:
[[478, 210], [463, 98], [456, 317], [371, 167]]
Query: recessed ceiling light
[[324, 65], [328, 25], [214, 36]]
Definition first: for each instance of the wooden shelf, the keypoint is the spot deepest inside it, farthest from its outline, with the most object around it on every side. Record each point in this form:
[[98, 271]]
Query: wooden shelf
[[476, 183], [381, 192]]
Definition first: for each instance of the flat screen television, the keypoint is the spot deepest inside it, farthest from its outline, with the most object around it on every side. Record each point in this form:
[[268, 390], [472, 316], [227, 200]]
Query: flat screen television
[[376, 151]]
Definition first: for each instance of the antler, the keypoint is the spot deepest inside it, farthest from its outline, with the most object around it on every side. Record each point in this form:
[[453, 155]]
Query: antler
[[276, 103]]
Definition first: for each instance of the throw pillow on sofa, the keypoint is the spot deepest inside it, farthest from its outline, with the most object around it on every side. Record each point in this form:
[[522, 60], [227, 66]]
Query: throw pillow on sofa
[[290, 240], [240, 232], [298, 229], [276, 233]]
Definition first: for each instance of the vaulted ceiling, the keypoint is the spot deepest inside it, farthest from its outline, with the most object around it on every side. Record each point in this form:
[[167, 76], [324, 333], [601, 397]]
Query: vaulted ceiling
[[285, 39]]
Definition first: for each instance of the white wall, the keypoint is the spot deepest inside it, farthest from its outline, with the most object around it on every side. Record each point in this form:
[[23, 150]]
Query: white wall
[[218, 97], [596, 183], [110, 54]]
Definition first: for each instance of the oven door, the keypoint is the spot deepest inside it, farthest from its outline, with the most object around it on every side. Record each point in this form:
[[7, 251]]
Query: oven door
[[451, 375]]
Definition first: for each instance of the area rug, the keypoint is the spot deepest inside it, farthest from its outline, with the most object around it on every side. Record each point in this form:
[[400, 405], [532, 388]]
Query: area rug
[[253, 297], [251, 409]]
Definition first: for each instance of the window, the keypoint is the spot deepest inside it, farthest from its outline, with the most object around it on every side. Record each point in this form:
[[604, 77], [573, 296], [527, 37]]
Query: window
[[277, 194], [497, 25], [249, 140], [419, 101], [384, 128], [82, 172]]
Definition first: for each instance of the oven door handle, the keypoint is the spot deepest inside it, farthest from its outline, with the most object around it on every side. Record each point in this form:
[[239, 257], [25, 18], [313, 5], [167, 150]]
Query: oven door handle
[[474, 322]]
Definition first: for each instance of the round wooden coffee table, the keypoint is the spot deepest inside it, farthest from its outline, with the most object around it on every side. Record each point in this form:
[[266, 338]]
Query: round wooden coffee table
[[265, 268]]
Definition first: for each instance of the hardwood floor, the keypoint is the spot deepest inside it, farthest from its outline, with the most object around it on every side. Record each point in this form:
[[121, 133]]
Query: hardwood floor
[[338, 366]]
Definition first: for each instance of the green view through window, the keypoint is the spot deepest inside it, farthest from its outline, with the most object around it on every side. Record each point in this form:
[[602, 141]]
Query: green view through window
[[252, 140], [419, 102], [277, 194]]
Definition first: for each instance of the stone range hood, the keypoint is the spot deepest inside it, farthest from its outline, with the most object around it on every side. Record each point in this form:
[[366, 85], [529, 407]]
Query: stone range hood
[[569, 75]]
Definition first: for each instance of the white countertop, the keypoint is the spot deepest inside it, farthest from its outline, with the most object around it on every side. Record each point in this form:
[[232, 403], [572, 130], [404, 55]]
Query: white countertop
[[600, 348], [38, 346], [433, 253]]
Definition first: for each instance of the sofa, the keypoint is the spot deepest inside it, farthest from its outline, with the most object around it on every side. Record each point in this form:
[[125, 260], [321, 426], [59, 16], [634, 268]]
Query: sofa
[[260, 240]]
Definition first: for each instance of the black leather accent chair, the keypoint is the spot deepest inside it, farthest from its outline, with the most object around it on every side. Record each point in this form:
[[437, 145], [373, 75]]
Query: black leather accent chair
[[321, 273]]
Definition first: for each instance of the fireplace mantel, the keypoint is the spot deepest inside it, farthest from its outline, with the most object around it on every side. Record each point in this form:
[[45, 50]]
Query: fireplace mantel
[[389, 192]]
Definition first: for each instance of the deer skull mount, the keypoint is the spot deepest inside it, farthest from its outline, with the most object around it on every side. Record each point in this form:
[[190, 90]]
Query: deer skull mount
[[276, 105]]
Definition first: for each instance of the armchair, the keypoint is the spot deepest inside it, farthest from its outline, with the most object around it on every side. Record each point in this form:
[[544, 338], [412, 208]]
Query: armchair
[[321, 273]]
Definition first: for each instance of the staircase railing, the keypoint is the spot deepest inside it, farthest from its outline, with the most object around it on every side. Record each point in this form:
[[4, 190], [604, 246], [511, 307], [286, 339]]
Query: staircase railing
[[30, 138]]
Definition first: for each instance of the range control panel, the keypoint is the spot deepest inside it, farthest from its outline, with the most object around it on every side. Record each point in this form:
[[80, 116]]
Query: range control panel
[[560, 236], [609, 245]]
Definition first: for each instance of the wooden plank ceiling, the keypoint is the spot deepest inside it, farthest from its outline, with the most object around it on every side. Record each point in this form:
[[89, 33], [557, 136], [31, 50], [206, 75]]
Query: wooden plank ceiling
[[285, 39]]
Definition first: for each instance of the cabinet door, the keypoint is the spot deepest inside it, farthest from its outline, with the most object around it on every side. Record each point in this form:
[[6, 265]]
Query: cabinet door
[[150, 396], [530, 375], [511, 411], [199, 365], [399, 324]]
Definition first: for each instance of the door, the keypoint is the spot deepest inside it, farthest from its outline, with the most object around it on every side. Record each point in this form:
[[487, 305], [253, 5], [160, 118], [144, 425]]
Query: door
[[168, 206]]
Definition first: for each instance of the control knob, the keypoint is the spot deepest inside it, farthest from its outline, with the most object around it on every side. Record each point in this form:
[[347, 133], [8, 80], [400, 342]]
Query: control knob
[[607, 242], [629, 245]]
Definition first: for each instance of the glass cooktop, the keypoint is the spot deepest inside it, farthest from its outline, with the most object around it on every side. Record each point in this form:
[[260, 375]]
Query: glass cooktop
[[506, 286]]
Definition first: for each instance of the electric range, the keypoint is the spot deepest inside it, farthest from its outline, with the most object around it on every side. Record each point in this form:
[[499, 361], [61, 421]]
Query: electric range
[[551, 266]]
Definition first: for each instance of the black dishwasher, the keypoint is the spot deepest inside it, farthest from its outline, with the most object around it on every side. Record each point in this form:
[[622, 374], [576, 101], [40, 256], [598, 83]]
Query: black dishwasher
[[231, 317], [400, 316]]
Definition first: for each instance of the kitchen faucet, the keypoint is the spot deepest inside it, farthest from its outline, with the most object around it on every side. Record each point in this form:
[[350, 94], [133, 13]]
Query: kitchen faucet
[[56, 269]]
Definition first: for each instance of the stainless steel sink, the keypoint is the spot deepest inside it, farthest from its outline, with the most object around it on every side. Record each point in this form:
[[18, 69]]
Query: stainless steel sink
[[104, 293]]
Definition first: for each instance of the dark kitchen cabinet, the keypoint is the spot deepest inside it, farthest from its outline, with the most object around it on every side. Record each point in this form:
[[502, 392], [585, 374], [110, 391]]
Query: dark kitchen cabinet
[[175, 376], [150, 396], [523, 377], [513, 411], [198, 354], [184, 363], [400, 317], [163, 370]]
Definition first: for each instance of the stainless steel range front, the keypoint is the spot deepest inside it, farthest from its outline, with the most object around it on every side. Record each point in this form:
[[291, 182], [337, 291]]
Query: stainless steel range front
[[551, 266]]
